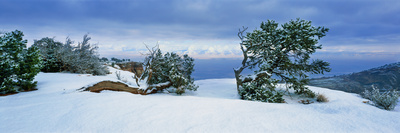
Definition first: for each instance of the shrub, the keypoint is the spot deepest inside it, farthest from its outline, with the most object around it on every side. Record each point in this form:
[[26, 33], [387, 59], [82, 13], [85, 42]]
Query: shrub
[[66, 57], [386, 100], [322, 98], [165, 70]]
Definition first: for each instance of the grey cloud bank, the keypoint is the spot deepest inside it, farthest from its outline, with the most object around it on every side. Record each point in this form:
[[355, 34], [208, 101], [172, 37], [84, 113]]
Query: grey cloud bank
[[206, 28]]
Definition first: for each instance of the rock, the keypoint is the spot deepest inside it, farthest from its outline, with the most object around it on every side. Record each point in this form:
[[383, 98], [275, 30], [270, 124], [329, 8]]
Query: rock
[[134, 67]]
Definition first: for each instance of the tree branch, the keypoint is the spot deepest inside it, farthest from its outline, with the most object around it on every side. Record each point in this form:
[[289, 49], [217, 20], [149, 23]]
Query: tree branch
[[240, 35], [258, 76]]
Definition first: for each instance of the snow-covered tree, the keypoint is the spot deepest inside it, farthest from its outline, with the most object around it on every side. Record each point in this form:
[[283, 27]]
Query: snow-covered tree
[[279, 54], [18, 66], [163, 71], [29, 67], [82, 58], [11, 46], [51, 54]]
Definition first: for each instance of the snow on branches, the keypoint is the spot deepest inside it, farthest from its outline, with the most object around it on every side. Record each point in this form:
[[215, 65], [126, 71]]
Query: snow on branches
[[82, 58], [280, 54], [18, 65], [386, 100], [162, 71]]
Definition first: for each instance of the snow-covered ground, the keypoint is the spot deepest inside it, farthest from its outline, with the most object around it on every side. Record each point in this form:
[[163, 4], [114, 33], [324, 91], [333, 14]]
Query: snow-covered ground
[[58, 107]]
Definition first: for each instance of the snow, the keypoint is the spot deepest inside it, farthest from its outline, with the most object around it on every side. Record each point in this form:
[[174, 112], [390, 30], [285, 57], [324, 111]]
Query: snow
[[58, 107]]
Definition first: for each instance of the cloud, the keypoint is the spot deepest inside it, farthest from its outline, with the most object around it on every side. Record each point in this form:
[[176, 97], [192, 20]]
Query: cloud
[[201, 28], [200, 49]]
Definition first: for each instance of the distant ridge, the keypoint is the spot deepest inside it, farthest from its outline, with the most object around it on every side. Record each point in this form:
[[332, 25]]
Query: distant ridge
[[386, 77]]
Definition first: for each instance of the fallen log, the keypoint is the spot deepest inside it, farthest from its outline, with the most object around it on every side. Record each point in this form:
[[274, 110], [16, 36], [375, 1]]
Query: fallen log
[[118, 86], [115, 86]]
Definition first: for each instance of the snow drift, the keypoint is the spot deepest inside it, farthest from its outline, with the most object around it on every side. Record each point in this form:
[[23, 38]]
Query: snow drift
[[58, 107]]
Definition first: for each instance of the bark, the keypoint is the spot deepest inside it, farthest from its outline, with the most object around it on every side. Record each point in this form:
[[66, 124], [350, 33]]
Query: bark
[[245, 57], [258, 76], [118, 86], [238, 80], [245, 64]]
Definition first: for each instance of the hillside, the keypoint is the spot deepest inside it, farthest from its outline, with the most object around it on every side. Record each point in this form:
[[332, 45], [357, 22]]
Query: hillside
[[57, 106], [385, 78]]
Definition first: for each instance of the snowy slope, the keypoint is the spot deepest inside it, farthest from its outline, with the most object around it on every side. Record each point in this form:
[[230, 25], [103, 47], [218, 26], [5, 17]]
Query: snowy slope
[[215, 107]]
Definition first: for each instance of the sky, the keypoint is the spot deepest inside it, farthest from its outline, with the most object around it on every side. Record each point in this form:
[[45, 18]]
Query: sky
[[366, 30]]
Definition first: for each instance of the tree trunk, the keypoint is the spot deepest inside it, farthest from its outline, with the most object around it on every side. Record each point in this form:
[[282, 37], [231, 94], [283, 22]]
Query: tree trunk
[[238, 80], [245, 57], [118, 86]]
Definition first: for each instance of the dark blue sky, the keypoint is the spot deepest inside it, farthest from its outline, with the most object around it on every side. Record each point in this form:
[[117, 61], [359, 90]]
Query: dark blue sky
[[359, 29]]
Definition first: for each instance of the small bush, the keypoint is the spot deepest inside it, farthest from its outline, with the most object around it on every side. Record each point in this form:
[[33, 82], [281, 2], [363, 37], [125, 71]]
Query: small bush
[[173, 68], [322, 98], [387, 100], [162, 71]]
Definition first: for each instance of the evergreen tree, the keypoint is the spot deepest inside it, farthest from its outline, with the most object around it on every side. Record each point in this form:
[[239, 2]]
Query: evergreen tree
[[116, 60], [280, 54], [29, 67], [11, 46], [103, 59], [50, 52], [18, 65]]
